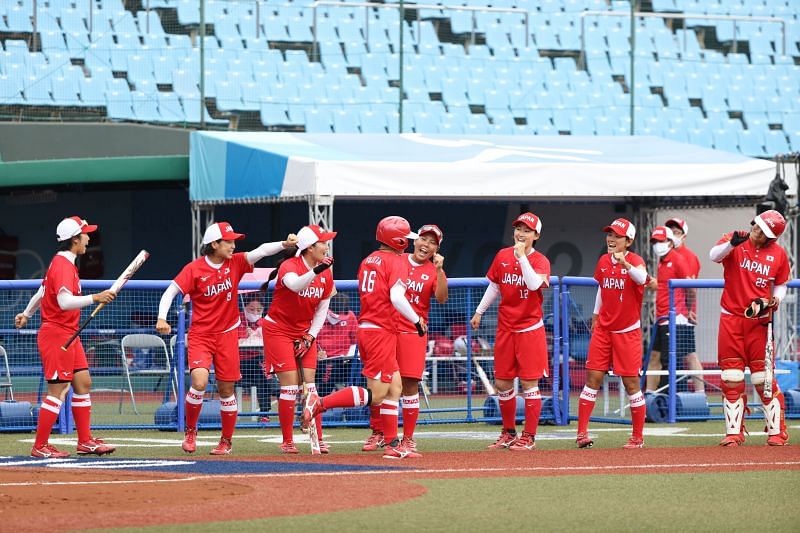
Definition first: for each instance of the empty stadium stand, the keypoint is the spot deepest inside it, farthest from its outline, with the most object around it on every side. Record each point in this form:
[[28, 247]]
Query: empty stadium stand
[[708, 81]]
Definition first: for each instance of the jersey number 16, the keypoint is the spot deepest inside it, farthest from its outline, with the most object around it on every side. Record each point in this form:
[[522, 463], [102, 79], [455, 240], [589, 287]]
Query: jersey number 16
[[368, 281]]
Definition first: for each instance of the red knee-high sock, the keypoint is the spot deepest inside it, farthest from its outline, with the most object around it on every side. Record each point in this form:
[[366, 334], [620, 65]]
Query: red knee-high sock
[[389, 419], [48, 414], [312, 387], [533, 409], [194, 403], [375, 422], [410, 414], [508, 409], [229, 411], [638, 411], [585, 407], [346, 397], [82, 414], [286, 403]]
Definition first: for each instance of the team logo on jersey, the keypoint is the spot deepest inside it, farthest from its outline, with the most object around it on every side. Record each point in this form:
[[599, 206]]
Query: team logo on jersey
[[770, 258], [669, 265], [204, 278], [311, 292], [415, 286], [513, 279], [623, 271], [755, 266], [214, 289], [614, 283], [227, 270], [504, 264], [425, 277]]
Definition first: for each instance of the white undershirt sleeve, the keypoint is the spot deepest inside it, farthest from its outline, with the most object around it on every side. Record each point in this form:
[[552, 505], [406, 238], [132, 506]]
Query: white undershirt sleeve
[[398, 295], [532, 280], [598, 302], [720, 252], [489, 296], [265, 250], [297, 283], [319, 317], [69, 302], [34, 302], [779, 292], [638, 275], [166, 300]]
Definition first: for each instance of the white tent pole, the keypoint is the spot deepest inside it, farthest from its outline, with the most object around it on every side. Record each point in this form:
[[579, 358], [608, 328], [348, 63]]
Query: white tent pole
[[320, 212]]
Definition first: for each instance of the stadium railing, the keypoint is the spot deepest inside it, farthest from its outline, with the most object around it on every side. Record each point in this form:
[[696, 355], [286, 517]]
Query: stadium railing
[[452, 391]]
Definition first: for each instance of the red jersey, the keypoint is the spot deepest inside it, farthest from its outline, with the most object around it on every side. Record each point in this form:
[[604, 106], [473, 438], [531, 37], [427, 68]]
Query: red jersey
[[671, 266], [520, 308], [749, 273], [338, 334], [691, 260], [214, 292], [421, 285], [621, 306], [61, 274], [693, 264], [291, 311], [376, 276]]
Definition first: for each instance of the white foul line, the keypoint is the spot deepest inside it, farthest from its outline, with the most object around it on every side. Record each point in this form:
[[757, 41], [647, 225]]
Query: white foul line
[[605, 468]]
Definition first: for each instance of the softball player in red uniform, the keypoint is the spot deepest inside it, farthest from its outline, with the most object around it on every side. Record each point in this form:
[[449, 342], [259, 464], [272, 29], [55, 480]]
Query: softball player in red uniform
[[381, 285], [686, 332], [671, 265], [61, 300], [616, 330], [303, 288], [426, 279], [756, 270], [212, 282], [518, 275]]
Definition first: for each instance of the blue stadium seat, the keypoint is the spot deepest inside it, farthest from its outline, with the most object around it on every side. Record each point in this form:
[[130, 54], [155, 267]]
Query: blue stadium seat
[[752, 143], [318, 120], [145, 107], [118, 105]]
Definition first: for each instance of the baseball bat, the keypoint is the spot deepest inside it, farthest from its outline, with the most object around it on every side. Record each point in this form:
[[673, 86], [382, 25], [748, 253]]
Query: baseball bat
[[487, 385], [312, 424], [769, 355], [123, 278]]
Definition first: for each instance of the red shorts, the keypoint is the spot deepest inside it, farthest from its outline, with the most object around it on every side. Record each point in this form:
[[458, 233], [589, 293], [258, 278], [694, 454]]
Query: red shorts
[[741, 343], [378, 350], [58, 364], [221, 349], [520, 355], [279, 351], [411, 350], [620, 351]]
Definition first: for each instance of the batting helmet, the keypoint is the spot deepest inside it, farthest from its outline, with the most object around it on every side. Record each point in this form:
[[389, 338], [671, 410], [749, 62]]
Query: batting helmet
[[394, 232], [771, 223]]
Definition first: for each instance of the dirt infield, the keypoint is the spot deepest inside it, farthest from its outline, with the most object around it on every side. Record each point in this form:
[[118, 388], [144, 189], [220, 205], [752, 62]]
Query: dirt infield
[[82, 499]]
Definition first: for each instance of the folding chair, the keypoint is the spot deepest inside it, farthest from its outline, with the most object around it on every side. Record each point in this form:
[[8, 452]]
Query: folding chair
[[6, 385], [156, 344]]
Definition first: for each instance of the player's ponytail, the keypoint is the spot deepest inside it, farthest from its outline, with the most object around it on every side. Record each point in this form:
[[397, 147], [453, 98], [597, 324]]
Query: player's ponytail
[[287, 253]]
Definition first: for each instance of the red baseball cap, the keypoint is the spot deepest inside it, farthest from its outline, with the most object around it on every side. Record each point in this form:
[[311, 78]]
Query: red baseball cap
[[622, 227], [662, 234], [73, 226], [221, 231], [678, 223], [530, 220], [432, 229], [311, 234]]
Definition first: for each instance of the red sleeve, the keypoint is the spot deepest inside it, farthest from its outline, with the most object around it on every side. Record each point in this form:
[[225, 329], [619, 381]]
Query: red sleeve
[[492, 274], [782, 276], [283, 269], [597, 271], [329, 285], [725, 237], [683, 269], [60, 277], [185, 279], [542, 266], [637, 260], [241, 264], [398, 270]]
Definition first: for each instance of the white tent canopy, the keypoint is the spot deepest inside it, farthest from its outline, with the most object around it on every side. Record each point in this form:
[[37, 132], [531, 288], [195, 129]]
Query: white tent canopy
[[232, 167]]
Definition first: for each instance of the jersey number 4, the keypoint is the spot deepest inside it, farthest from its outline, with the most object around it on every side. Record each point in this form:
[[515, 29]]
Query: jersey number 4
[[368, 281]]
